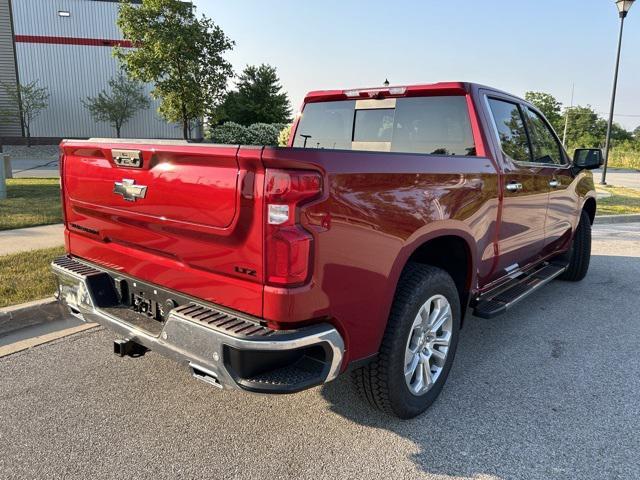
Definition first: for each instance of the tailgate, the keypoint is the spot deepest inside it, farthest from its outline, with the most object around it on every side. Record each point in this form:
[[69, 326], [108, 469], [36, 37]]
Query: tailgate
[[187, 217]]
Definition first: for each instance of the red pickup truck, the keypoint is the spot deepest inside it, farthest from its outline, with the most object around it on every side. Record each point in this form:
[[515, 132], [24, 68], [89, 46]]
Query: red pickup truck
[[360, 247]]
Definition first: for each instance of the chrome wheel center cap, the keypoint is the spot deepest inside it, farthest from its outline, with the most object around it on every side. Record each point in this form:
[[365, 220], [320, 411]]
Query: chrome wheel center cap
[[426, 342]]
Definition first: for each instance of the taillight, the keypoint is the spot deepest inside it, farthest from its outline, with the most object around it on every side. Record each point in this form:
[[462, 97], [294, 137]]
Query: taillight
[[61, 173], [288, 246]]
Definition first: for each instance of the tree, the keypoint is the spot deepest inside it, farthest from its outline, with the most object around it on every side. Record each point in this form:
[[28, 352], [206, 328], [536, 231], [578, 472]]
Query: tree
[[258, 99], [550, 107], [119, 105], [27, 102], [585, 128], [181, 54], [620, 134]]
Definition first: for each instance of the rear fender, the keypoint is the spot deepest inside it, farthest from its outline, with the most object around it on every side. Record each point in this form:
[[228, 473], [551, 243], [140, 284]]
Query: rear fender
[[430, 232]]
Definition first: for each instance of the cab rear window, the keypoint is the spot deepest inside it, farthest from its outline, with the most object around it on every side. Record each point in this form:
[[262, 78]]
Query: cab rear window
[[428, 125]]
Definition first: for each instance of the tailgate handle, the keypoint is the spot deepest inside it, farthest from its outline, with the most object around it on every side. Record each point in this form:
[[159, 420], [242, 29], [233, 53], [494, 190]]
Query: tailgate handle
[[127, 158]]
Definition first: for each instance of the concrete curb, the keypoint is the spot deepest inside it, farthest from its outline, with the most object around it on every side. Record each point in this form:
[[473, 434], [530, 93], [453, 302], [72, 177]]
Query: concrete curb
[[42, 339], [28, 314], [611, 219], [35, 314]]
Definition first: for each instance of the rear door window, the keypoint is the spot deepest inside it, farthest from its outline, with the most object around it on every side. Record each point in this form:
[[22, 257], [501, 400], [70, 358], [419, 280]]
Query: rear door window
[[512, 133], [428, 125]]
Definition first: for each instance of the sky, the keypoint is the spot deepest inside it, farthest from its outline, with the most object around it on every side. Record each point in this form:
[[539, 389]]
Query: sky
[[542, 45]]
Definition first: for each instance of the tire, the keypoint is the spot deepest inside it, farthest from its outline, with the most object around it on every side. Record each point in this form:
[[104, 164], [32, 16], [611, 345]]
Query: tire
[[579, 255], [382, 382]]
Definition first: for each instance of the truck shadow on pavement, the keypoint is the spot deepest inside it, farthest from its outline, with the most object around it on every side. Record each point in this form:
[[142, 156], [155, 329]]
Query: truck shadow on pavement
[[538, 392]]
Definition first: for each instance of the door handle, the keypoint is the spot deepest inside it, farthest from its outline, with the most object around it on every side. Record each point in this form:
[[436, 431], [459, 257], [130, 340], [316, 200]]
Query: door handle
[[514, 187], [554, 183]]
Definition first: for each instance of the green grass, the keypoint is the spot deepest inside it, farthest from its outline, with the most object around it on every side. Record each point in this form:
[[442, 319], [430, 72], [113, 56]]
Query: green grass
[[621, 202], [30, 202], [27, 276]]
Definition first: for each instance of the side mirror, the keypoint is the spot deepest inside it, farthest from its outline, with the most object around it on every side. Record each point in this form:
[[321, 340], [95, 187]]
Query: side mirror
[[587, 158]]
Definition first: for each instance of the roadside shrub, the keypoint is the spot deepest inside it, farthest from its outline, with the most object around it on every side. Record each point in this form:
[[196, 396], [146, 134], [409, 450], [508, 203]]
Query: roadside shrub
[[283, 136], [263, 133], [624, 159], [257, 134], [230, 133]]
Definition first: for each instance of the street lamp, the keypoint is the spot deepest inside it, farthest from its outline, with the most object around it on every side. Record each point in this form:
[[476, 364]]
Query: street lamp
[[623, 7]]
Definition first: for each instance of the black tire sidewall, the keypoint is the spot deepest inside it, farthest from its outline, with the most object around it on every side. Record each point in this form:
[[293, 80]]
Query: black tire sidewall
[[579, 255], [404, 403]]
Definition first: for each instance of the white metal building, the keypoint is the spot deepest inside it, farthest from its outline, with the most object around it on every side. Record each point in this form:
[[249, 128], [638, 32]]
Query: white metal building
[[67, 46]]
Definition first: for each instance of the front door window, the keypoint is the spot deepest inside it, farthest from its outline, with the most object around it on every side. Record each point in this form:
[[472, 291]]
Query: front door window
[[546, 149]]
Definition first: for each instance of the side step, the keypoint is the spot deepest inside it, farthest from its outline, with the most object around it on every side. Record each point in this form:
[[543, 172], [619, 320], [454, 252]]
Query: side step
[[497, 303]]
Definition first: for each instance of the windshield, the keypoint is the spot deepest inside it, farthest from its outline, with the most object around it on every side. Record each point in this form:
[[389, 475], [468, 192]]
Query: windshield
[[429, 125]]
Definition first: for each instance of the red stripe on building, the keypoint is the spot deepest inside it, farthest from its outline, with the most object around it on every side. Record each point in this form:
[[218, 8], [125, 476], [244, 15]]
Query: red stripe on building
[[94, 42]]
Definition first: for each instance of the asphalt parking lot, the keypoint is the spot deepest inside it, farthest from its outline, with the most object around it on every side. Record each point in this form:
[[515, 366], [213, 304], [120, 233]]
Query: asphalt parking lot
[[549, 390]]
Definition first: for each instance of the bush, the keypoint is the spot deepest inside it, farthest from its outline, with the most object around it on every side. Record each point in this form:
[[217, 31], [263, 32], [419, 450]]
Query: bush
[[624, 159], [256, 134], [283, 137], [230, 133], [263, 133]]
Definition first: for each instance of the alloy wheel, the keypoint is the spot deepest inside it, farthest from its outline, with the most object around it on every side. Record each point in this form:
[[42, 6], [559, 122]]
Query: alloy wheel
[[428, 344]]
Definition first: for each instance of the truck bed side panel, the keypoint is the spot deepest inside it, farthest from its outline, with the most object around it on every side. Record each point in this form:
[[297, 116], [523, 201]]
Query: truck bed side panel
[[377, 208]]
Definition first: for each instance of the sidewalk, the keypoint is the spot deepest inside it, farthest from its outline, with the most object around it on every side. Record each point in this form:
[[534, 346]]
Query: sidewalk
[[35, 168], [37, 161], [33, 238]]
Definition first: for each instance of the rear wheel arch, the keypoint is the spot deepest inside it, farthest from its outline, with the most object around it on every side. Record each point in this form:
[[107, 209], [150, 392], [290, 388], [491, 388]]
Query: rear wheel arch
[[452, 252]]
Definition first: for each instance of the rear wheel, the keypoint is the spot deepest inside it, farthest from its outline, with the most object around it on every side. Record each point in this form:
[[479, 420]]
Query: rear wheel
[[580, 254], [418, 346]]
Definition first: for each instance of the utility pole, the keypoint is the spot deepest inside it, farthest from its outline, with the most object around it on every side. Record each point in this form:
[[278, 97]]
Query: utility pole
[[566, 117]]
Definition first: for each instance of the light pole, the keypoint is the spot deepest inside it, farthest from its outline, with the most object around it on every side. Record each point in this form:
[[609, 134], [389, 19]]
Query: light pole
[[623, 7]]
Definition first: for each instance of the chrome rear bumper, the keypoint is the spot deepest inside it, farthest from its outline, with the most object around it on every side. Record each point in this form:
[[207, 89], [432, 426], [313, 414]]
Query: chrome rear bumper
[[215, 343]]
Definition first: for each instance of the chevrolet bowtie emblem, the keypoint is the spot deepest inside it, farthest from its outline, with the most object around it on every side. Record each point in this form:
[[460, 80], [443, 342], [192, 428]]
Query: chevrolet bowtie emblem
[[129, 191]]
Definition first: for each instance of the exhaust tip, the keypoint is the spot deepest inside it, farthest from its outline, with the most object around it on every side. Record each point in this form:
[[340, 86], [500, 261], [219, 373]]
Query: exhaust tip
[[204, 375]]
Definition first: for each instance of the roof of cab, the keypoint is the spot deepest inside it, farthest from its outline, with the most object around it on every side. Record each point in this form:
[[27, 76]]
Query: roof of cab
[[449, 88], [440, 88]]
